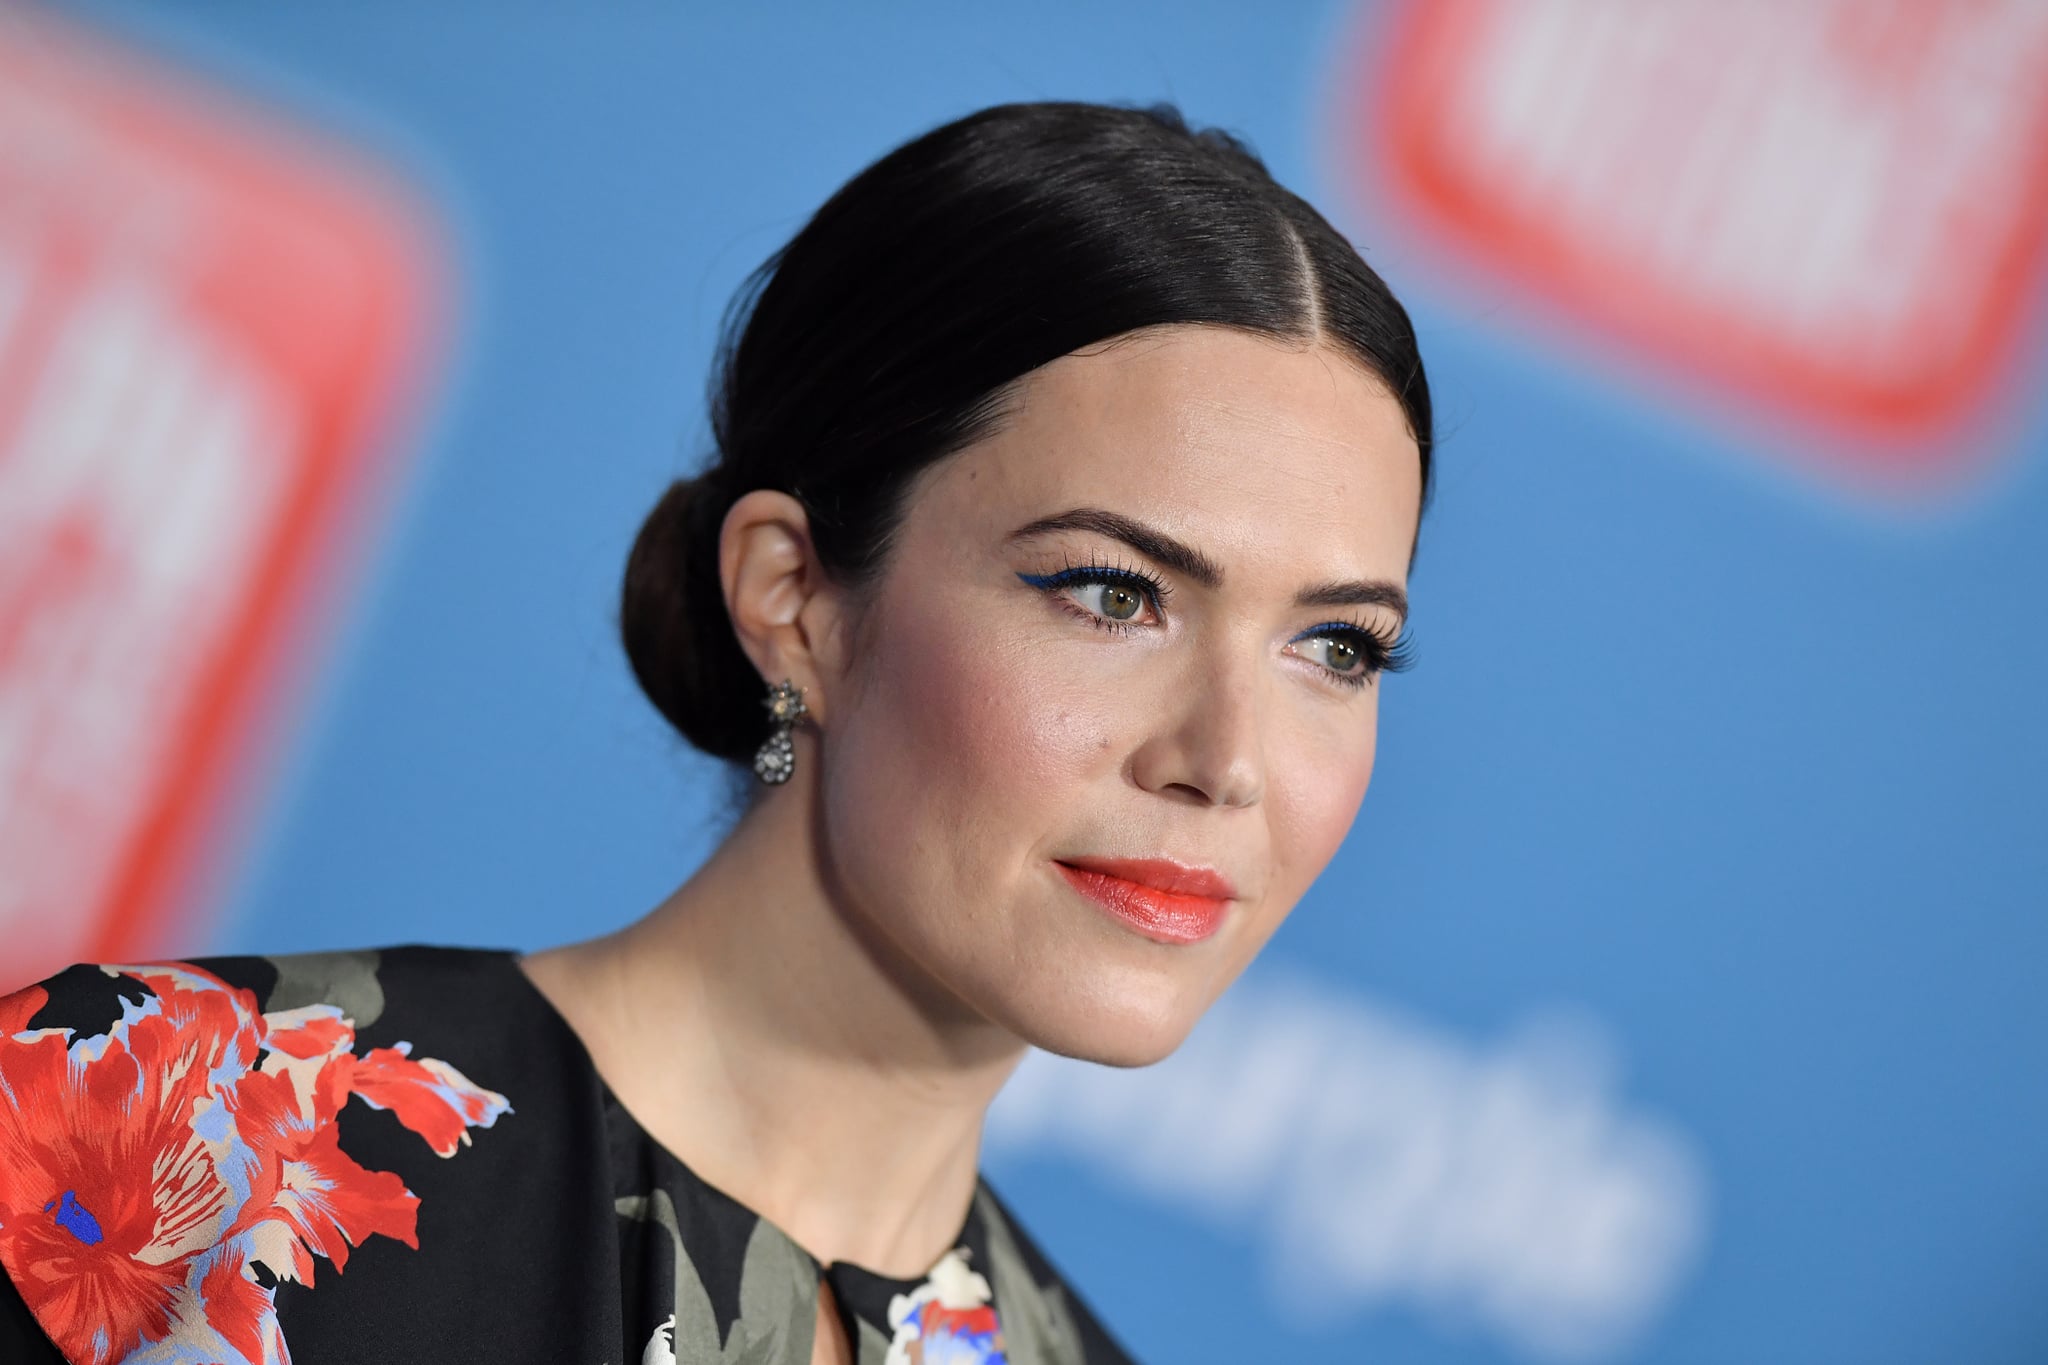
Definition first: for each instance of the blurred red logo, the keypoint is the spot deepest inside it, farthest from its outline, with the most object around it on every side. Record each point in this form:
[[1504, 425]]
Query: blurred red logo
[[1836, 210], [204, 322]]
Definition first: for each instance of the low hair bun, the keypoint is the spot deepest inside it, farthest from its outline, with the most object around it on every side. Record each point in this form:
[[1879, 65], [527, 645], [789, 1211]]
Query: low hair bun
[[675, 628]]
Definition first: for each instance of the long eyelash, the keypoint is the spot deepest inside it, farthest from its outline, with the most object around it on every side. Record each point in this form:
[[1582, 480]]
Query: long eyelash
[[1382, 653], [1154, 588], [1095, 571]]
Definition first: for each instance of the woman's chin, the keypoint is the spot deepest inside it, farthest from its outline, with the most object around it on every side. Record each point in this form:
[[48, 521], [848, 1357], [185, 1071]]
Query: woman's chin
[[1127, 1027]]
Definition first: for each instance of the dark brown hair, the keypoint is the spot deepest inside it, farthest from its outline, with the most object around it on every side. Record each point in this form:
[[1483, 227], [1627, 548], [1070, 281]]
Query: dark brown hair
[[886, 334]]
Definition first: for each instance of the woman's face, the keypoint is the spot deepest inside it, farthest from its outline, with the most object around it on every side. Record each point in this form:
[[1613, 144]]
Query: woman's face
[[1135, 630]]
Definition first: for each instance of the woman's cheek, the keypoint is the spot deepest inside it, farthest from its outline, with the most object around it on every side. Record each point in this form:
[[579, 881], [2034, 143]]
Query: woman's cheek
[[988, 716], [1023, 726], [1315, 796]]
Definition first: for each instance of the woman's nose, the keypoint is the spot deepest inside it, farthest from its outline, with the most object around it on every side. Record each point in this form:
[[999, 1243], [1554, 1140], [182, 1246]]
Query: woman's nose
[[1208, 744]]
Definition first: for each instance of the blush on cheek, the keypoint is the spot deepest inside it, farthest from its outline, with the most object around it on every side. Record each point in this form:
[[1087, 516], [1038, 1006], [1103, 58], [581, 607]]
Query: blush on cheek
[[992, 716], [1314, 806]]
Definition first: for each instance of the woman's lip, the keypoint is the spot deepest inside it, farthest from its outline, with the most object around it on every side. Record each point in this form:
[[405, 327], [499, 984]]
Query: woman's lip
[[1160, 915], [1161, 874]]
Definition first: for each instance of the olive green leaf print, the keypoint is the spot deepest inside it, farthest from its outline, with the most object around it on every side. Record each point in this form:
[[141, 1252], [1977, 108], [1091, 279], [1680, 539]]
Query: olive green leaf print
[[778, 1299], [874, 1346], [347, 981]]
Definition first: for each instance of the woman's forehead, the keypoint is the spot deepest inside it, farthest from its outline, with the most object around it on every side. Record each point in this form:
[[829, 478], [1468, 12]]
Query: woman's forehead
[[1236, 441]]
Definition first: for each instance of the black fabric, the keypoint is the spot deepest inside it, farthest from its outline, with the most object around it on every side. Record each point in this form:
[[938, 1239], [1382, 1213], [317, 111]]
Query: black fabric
[[554, 1232]]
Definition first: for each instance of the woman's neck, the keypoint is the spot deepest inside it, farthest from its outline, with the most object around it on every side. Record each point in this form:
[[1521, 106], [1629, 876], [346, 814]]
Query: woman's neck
[[786, 1054]]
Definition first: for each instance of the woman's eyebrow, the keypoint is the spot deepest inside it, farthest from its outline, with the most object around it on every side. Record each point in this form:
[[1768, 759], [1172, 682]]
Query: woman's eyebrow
[[1356, 593], [1182, 558], [1193, 565]]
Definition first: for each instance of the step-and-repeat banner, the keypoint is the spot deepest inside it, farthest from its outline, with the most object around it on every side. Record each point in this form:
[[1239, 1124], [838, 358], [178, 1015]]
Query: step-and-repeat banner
[[1679, 994]]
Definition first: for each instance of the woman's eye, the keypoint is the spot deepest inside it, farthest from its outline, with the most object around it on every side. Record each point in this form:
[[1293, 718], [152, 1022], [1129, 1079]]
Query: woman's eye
[[1110, 599], [1334, 653], [1115, 601]]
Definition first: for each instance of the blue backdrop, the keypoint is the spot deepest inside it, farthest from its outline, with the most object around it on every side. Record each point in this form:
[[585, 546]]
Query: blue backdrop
[[1679, 995]]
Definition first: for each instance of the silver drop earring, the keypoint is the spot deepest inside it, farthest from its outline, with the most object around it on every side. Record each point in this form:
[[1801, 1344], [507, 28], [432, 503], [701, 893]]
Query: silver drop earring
[[776, 758]]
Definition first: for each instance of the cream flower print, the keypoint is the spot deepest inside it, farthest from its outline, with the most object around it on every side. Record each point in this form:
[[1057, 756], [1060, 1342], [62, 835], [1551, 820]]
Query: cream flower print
[[948, 1319]]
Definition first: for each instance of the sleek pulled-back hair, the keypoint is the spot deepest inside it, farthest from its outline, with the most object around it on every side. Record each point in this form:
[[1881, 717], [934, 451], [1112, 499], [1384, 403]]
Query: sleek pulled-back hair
[[890, 332]]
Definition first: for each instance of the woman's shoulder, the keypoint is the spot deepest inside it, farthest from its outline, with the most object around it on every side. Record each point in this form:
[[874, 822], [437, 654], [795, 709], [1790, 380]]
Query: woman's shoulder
[[359, 983], [170, 1144]]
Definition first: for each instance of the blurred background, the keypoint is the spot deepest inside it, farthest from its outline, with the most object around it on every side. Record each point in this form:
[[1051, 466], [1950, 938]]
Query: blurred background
[[1681, 994]]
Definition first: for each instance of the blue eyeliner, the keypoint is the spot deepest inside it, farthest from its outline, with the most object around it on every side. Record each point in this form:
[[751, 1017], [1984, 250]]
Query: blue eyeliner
[[1379, 654]]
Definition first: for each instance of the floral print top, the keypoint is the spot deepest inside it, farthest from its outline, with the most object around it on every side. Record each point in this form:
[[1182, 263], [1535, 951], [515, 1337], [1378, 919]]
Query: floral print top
[[407, 1155]]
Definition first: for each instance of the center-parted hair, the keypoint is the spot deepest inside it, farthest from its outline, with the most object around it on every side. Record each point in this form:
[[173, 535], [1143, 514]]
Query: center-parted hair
[[887, 335]]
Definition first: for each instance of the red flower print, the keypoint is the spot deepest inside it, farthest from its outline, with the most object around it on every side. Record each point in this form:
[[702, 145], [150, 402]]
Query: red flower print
[[144, 1172], [429, 1097], [305, 1186], [89, 1244]]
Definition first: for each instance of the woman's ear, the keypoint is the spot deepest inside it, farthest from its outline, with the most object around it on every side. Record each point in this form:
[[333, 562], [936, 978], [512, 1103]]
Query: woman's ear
[[785, 611]]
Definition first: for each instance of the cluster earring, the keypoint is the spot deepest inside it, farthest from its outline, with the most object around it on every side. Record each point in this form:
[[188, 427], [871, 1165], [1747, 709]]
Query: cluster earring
[[776, 759]]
